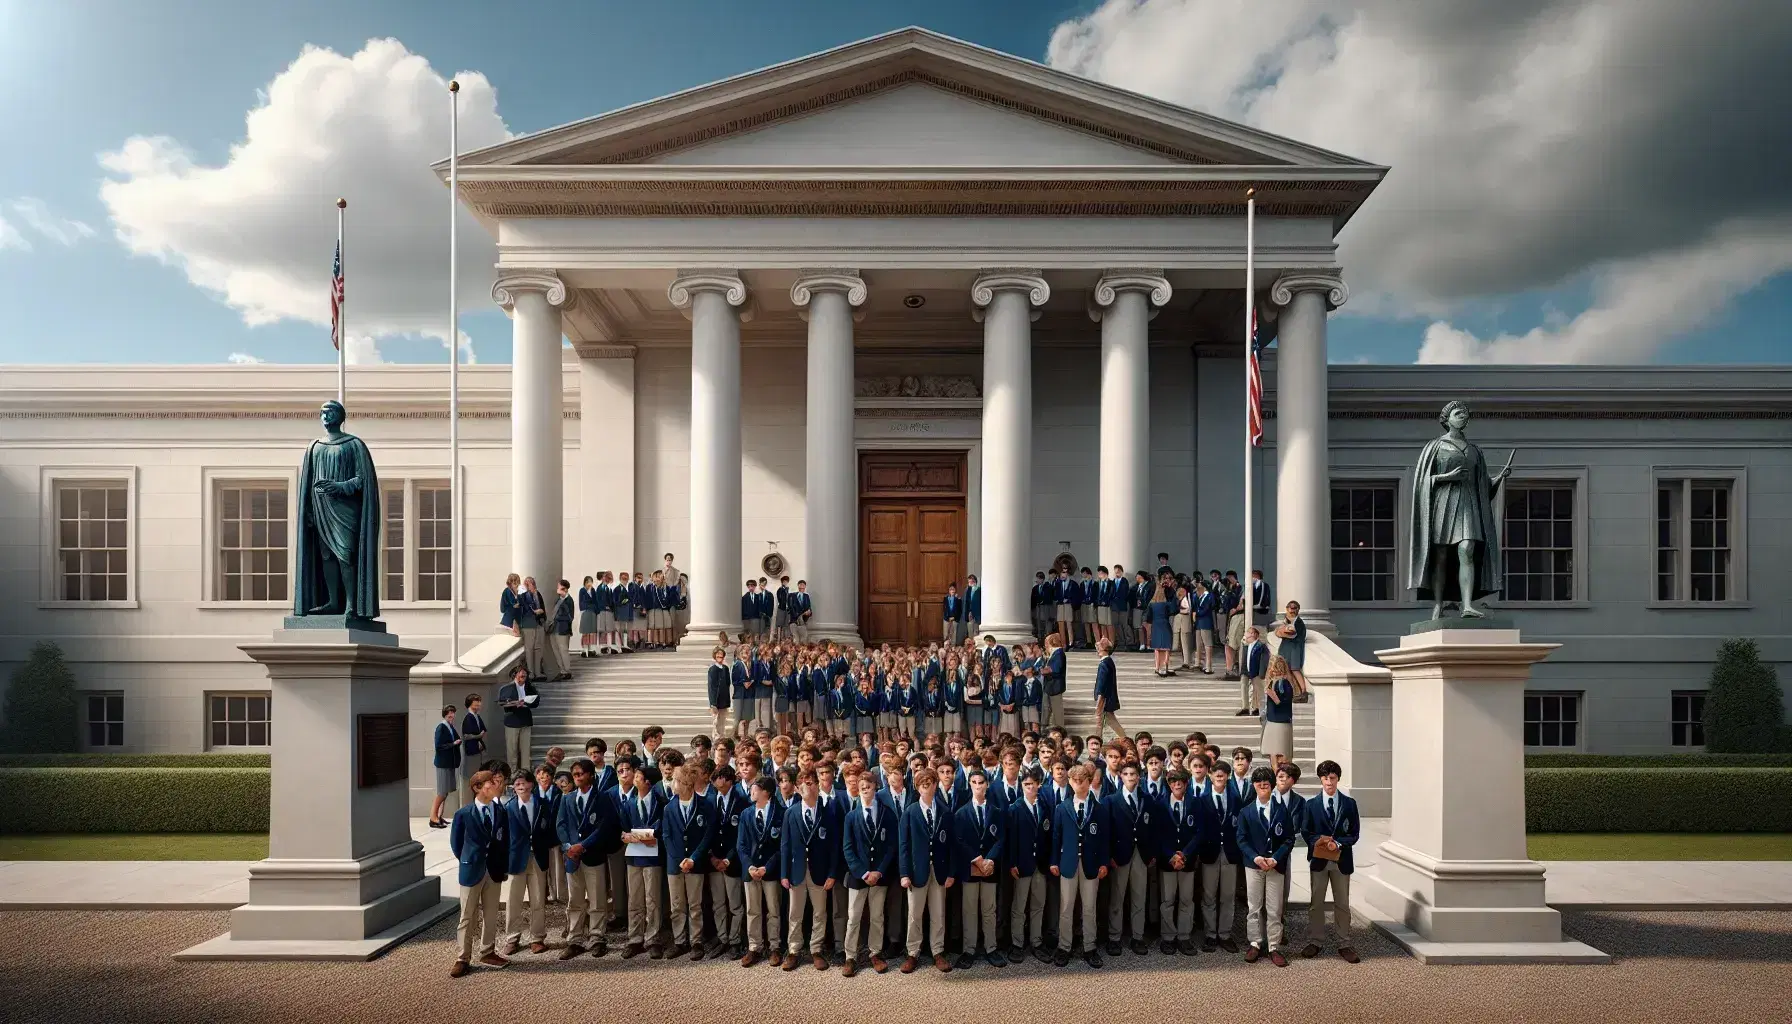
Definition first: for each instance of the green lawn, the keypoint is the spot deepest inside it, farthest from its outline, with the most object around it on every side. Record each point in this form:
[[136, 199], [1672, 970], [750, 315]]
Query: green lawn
[[1661, 846], [87, 846]]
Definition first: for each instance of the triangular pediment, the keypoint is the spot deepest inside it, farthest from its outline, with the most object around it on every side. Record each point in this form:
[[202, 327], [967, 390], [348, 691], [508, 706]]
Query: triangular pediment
[[910, 97]]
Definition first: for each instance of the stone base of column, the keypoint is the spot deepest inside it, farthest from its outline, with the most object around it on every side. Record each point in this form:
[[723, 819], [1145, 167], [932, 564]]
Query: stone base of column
[[703, 635], [1008, 633], [846, 634], [1469, 911]]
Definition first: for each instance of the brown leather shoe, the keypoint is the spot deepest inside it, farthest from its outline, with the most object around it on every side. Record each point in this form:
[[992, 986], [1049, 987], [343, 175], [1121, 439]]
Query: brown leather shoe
[[1253, 955], [850, 969], [632, 950], [879, 965], [1309, 951], [538, 948], [909, 964], [508, 950], [777, 959], [750, 959], [459, 970], [1276, 957], [1348, 954], [944, 965], [696, 951], [572, 949], [821, 962], [790, 962], [494, 960]]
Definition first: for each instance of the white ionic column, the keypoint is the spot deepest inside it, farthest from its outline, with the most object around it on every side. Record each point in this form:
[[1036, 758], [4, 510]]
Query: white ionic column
[[830, 508], [1005, 300], [537, 406], [1303, 458], [1124, 303], [712, 299]]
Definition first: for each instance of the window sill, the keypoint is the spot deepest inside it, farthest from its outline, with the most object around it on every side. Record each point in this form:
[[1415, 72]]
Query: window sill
[[214, 749], [421, 606], [1535, 606], [91, 605], [1716, 606], [1551, 750], [1371, 606], [242, 605]]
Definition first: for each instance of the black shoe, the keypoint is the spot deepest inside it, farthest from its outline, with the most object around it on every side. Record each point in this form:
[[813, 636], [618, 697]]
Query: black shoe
[[1061, 958], [1167, 948], [438, 824], [964, 962], [1114, 949], [1208, 945], [1228, 945], [1044, 956], [1093, 959], [1017, 954], [1188, 947], [1241, 713], [1139, 948]]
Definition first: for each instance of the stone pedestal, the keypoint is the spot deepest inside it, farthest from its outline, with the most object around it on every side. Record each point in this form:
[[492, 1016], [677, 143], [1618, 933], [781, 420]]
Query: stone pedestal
[[343, 879], [1353, 722], [1455, 884]]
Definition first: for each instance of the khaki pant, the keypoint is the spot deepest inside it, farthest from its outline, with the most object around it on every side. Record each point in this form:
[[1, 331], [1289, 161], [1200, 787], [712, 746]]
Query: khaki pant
[[644, 904], [1054, 709], [588, 889], [718, 723], [727, 907], [1028, 909], [479, 910], [1182, 639], [1204, 647], [1110, 721], [765, 932], [929, 900], [865, 906], [1176, 909], [1263, 908], [560, 652], [517, 742], [808, 896], [1340, 887], [534, 647], [1250, 692], [837, 912], [686, 908], [527, 890], [1126, 892], [1087, 888], [617, 876], [979, 907], [1219, 882]]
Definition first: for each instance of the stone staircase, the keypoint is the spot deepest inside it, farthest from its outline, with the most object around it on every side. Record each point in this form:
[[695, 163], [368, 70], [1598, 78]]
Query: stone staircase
[[618, 695]]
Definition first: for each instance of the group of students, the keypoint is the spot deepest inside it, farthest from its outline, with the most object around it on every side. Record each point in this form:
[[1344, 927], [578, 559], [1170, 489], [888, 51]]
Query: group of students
[[781, 850], [785, 614], [613, 615]]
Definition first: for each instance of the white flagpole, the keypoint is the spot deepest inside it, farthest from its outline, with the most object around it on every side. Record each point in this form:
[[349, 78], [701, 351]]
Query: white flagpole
[[1250, 299], [341, 311], [456, 568]]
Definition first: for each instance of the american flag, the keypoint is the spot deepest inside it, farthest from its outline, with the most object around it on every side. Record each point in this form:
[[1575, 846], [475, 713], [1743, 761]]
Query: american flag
[[1255, 370], [336, 299]]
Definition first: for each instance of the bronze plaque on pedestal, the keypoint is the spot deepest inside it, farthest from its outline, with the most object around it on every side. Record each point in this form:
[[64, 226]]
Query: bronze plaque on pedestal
[[381, 753]]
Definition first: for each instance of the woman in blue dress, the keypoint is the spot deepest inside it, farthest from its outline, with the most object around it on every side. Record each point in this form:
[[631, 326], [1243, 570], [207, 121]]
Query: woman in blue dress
[[1162, 608], [1293, 649]]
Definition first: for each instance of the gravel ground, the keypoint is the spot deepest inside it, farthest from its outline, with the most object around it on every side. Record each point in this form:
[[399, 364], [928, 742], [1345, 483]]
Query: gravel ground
[[72, 967]]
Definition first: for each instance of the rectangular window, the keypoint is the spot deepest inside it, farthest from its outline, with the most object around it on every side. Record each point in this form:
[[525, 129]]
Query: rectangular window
[[435, 542], [1363, 542], [252, 542], [1689, 718], [1694, 539], [92, 541], [392, 500], [1551, 719], [1539, 542], [105, 719], [239, 719]]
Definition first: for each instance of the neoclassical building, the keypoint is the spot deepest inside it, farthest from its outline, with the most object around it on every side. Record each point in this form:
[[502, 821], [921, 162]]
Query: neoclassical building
[[887, 315]]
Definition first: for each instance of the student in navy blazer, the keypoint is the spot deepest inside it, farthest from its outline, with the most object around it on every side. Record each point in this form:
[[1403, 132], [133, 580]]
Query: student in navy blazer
[[1080, 861], [687, 827], [973, 603], [507, 604], [641, 810], [480, 840], [870, 836], [924, 860], [587, 828], [1132, 852], [979, 834], [533, 837], [951, 614], [810, 870], [1266, 834], [1028, 850], [447, 763], [758, 849], [1332, 823]]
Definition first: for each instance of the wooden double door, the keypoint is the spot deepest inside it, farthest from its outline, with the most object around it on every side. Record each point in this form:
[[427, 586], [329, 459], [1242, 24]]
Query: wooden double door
[[912, 542]]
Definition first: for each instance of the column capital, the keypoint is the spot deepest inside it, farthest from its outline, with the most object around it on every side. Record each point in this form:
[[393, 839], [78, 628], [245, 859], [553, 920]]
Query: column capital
[[513, 283], [687, 283], [1130, 279], [828, 279], [1007, 279], [1293, 282]]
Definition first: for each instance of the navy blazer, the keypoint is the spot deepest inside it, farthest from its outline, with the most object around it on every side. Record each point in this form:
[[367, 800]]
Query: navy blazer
[[1119, 595], [1133, 830], [507, 606], [973, 603], [598, 829], [1086, 844], [447, 746], [1255, 839], [757, 847], [922, 855], [810, 854], [1194, 832], [741, 675], [588, 600], [728, 807], [1256, 660], [471, 723], [1042, 595], [687, 838], [1057, 672], [801, 604], [952, 608], [749, 606], [969, 842], [1028, 844], [1260, 597], [528, 839], [718, 685], [869, 848], [1107, 684], [629, 818], [563, 616], [483, 852], [531, 609], [518, 717], [1345, 826]]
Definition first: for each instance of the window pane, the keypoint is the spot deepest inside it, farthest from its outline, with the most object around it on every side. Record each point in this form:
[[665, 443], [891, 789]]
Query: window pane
[[252, 536], [1362, 532]]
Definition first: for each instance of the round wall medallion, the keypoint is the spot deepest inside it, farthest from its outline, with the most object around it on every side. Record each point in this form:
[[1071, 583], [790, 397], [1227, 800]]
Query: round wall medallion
[[914, 301], [1065, 562], [773, 565]]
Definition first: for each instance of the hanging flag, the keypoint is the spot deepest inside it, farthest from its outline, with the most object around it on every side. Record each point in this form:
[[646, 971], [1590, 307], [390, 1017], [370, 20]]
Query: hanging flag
[[1254, 371], [336, 299]]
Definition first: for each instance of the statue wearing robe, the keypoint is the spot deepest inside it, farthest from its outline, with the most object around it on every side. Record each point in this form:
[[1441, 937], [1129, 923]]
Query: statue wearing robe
[[1455, 551], [338, 557]]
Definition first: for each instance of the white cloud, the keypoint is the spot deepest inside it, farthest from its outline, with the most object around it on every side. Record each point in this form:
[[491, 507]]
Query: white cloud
[[363, 351], [1530, 142], [1638, 305], [243, 359], [259, 229], [36, 215]]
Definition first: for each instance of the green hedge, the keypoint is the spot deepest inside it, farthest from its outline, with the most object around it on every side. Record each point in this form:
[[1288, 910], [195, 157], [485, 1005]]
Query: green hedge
[[134, 799], [98, 760], [1658, 799], [1658, 761]]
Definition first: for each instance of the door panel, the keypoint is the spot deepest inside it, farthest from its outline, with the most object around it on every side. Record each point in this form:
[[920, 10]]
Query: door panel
[[912, 535]]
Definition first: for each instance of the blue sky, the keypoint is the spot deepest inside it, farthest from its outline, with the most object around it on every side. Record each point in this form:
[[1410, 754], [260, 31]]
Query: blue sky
[[83, 76]]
